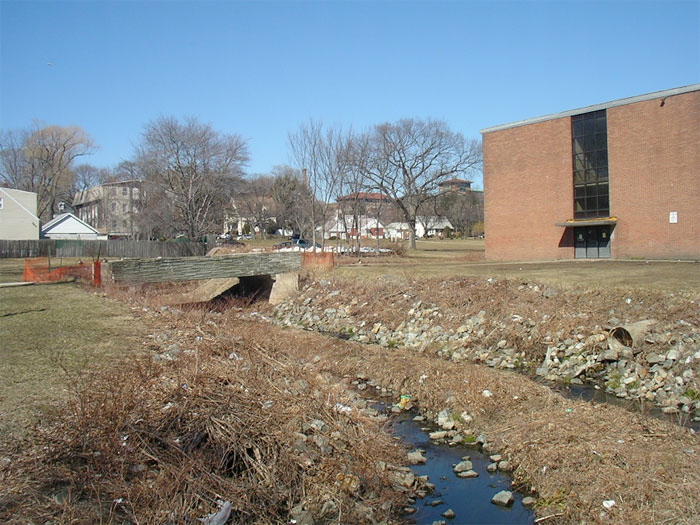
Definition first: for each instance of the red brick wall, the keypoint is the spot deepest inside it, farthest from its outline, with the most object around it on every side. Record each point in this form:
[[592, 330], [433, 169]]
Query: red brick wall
[[654, 161], [528, 187]]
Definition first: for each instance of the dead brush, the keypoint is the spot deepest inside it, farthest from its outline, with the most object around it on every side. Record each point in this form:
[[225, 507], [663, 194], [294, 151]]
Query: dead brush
[[155, 443]]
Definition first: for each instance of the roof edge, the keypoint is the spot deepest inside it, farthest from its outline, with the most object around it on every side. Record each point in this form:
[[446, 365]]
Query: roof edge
[[596, 107], [58, 219]]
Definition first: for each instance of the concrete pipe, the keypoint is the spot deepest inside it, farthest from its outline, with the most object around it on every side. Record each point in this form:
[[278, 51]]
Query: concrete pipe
[[631, 335]]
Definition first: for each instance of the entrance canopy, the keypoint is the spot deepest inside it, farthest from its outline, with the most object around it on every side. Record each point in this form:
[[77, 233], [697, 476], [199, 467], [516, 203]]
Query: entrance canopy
[[576, 223]]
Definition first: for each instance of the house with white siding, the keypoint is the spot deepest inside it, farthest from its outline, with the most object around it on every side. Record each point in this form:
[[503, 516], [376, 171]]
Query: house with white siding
[[18, 220], [68, 226]]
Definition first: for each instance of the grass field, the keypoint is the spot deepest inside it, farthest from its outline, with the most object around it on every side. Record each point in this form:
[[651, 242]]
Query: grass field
[[51, 333], [460, 258]]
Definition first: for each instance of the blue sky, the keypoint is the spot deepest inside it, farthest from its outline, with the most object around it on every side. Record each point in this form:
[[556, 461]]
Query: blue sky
[[260, 69]]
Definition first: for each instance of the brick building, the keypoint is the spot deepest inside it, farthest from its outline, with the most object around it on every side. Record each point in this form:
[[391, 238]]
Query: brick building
[[619, 179]]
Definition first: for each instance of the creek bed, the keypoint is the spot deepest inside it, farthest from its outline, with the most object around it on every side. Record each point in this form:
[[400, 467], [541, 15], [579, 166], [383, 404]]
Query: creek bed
[[470, 499], [591, 393]]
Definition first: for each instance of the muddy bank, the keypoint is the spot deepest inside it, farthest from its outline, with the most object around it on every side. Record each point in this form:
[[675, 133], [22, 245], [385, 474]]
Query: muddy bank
[[571, 337]]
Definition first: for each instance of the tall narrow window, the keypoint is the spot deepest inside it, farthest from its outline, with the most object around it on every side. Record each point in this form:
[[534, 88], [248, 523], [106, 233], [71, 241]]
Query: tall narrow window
[[589, 136]]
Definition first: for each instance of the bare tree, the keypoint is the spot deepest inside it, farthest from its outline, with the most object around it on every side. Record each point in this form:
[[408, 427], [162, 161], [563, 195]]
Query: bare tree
[[407, 159], [290, 197], [352, 188], [125, 170], [463, 209], [323, 155], [155, 217], [254, 202], [85, 176], [195, 168], [40, 160]]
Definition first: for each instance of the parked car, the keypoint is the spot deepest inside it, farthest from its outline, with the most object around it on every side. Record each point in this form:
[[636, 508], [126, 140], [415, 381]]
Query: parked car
[[303, 243]]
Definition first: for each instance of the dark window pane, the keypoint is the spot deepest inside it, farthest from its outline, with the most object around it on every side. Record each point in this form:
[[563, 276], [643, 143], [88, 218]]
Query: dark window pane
[[601, 141], [590, 160], [601, 125], [602, 159]]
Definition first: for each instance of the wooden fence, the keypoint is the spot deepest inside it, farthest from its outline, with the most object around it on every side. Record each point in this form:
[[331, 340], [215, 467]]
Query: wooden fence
[[101, 249]]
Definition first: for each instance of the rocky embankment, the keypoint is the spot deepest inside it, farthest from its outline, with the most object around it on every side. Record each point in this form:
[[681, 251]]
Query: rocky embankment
[[635, 358]]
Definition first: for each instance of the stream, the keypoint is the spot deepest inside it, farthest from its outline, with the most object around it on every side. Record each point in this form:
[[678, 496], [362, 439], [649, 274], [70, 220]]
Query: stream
[[590, 393], [470, 499]]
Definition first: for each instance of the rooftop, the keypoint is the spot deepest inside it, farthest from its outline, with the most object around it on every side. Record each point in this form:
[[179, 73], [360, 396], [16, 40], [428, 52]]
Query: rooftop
[[454, 181], [364, 196], [597, 107]]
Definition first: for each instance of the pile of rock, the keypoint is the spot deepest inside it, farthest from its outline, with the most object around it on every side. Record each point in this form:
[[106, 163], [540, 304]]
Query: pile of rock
[[662, 368]]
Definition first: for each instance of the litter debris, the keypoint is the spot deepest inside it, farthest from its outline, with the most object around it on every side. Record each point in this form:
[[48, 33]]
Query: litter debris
[[405, 399], [342, 409], [218, 518]]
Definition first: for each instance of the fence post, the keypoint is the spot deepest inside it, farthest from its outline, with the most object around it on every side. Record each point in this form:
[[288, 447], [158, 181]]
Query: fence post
[[97, 273]]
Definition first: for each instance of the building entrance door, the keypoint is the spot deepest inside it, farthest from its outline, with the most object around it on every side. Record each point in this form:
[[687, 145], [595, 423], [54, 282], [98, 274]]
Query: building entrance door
[[592, 242]]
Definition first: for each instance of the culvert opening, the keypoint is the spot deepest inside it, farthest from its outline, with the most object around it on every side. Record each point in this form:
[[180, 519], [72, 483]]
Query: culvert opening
[[254, 288], [622, 335]]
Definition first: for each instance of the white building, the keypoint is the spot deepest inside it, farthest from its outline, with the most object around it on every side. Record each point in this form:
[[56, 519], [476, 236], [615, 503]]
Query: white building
[[18, 220], [426, 226], [349, 227], [431, 226], [68, 226]]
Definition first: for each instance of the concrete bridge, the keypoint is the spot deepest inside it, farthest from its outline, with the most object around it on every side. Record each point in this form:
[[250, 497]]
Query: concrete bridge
[[221, 272]]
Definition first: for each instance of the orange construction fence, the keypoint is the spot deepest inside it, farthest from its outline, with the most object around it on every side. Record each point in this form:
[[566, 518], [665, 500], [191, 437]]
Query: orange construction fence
[[38, 270], [317, 259]]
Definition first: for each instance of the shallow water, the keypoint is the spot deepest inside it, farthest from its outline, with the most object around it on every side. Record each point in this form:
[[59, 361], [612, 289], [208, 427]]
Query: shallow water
[[470, 499], [590, 393]]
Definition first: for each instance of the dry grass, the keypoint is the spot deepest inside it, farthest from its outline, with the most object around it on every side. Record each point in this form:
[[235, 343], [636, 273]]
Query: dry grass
[[229, 419], [569, 311], [677, 277], [573, 454]]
